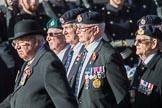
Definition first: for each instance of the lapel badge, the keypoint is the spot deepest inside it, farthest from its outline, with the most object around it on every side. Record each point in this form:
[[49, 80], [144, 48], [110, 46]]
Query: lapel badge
[[62, 20], [79, 57], [97, 83], [79, 18], [143, 21]]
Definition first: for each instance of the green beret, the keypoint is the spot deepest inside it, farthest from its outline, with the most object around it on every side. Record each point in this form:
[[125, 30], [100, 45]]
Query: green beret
[[53, 23]]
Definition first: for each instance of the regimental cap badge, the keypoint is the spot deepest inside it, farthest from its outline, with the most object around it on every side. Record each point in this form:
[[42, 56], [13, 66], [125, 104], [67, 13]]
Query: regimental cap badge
[[140, 31], [79, 18], [143, 21], [52, 23], [62, 20]]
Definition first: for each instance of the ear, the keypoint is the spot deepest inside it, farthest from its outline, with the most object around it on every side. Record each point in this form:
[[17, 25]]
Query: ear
[[154, 43], [96, 30]]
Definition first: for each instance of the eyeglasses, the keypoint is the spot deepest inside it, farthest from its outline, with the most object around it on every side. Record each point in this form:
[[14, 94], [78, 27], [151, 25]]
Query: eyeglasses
[[83, 29], [54, 34], [141, 40], [20, 43]]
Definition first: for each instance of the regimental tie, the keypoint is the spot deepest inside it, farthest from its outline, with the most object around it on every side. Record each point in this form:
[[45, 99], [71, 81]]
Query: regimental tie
[[69, 58], [76, 84], [24, 76]]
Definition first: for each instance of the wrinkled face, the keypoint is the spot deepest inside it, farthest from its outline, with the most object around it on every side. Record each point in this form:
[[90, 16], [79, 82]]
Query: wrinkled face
[[55, 38], [30, 5], [84, 32], [143, 45], [69, 31], [118, 2], [26, 47]]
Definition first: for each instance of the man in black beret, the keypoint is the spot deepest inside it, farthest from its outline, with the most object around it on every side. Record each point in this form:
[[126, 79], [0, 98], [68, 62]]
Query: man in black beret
[[101, 80], [147, 82], [150, 19], [42, 81], [68, 20]]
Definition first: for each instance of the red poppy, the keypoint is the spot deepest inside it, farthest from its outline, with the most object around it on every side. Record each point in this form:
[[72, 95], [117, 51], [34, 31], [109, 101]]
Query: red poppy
[[94, 56], [28, 72], [79, 57]]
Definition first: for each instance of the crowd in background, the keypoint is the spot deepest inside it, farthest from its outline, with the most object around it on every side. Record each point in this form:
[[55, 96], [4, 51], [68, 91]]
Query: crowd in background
[[118, 27]]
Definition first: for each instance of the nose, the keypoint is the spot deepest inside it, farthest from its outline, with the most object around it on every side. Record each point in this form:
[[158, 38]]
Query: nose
[[48, 38], [64, 32]]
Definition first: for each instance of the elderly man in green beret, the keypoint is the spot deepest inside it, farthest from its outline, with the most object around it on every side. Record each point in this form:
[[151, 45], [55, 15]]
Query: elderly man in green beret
[[56, 39], [147, 84]]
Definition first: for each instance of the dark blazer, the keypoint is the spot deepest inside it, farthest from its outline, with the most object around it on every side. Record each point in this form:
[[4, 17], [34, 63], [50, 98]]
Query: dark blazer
[[151, 75], [45, 87], [112, 87]]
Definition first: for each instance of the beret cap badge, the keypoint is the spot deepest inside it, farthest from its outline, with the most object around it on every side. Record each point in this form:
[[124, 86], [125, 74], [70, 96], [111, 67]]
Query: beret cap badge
[[52, 23], [62, 20], [140, 31], [79, 18], [143, 21]]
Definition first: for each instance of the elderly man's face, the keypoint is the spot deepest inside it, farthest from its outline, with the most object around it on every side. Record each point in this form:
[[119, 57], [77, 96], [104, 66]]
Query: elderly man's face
[[55, 38], [85, 32], [26, 47], [143, 45], [69, 31]]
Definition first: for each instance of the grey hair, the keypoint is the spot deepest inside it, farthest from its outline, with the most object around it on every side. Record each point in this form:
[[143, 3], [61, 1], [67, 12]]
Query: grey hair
[[40, 39]]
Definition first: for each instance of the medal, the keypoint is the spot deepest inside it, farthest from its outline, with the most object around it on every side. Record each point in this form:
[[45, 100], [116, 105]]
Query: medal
[[96, 83]]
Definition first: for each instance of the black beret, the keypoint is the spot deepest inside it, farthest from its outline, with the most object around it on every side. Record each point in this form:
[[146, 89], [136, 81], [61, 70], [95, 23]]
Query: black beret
[[70, 16], [90, 18], [150, 30], [26, 27], [149, 19]]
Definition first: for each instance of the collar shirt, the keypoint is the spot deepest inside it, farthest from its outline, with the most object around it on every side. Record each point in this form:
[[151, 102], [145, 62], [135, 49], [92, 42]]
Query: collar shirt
[[90, 48], [76, 50], [62, 52], [149, 58]]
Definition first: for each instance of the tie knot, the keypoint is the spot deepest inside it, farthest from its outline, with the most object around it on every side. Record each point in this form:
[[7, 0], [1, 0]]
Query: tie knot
[[85, 51]]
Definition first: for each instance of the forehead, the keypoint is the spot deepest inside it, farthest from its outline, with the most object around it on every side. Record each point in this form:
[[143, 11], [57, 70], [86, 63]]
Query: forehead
[[80, 24], [67, 25], [54, 29], [141, 36]]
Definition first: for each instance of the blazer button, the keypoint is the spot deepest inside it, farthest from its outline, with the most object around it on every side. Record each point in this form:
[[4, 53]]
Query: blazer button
[[80, 102]]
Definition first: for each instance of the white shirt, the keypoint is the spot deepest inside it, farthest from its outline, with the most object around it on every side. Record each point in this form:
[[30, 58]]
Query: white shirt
[[150, 57], [62, 52]]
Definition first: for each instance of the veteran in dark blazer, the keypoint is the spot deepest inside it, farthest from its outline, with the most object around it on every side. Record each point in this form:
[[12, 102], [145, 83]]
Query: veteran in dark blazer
[[42, 81], [147, 83], [101, 80]]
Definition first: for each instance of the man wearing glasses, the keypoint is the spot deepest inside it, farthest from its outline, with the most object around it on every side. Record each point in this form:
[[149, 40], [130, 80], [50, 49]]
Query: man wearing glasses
[[42, 81], [56, 39], [101, 80], [147, 82]]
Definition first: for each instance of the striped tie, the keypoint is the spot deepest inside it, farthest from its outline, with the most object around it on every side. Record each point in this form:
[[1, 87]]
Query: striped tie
[[76, 84], [24, 75], [68, 61]]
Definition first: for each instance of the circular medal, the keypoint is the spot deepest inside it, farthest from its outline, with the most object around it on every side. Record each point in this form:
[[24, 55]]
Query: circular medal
[[96, 83]]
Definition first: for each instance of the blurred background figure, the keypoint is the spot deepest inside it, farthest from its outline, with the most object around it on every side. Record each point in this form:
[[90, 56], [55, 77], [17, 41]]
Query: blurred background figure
[[121, 27], [56, 39]]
